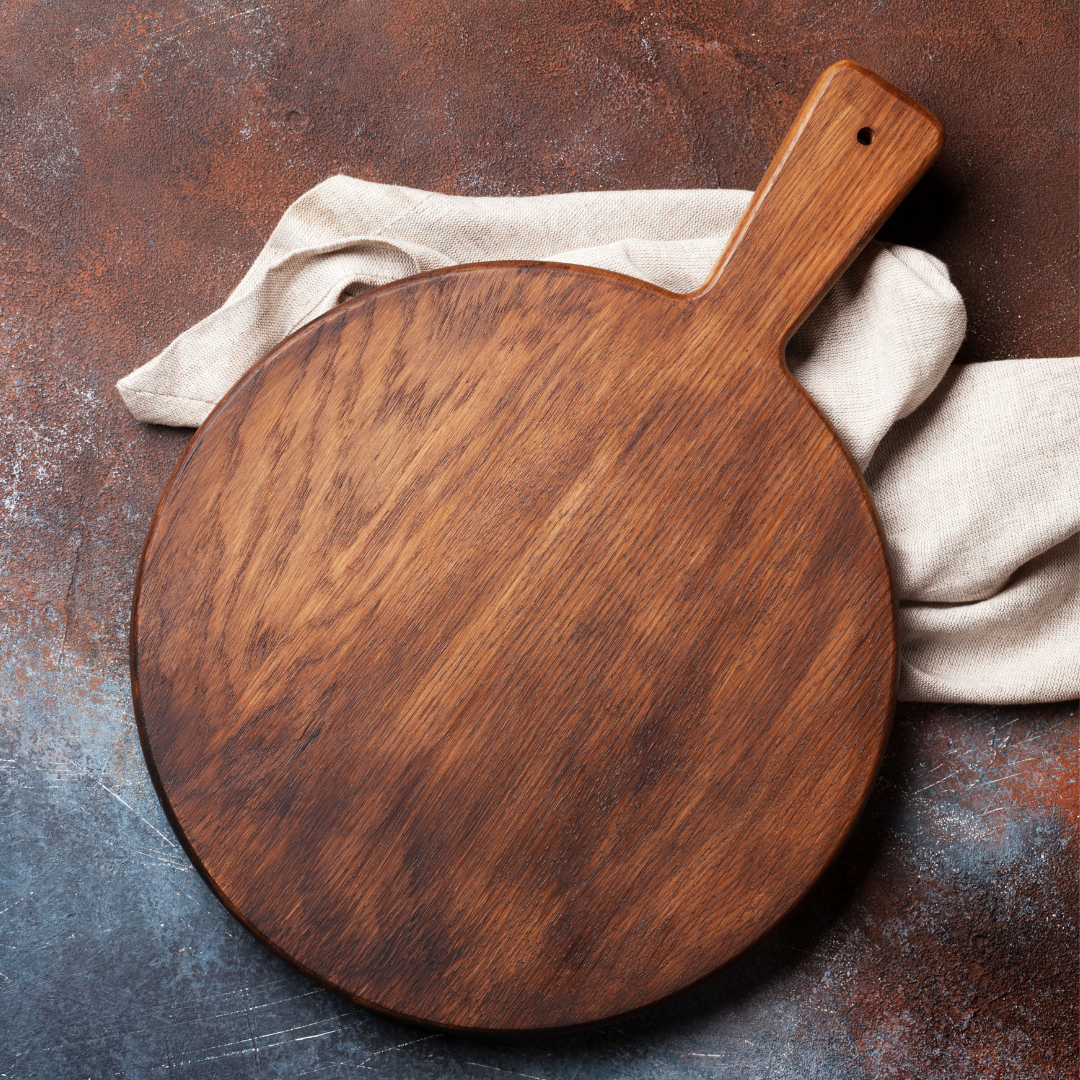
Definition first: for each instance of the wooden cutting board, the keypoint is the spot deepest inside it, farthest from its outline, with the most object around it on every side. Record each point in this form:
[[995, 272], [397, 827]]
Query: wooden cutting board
[[515, 644]]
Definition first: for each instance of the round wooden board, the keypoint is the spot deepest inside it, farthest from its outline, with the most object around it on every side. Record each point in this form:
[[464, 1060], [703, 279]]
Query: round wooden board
[[502, 698], [515, 644]]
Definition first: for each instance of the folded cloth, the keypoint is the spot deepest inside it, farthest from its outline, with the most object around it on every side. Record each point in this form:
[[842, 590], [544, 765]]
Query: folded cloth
[[975, 469]]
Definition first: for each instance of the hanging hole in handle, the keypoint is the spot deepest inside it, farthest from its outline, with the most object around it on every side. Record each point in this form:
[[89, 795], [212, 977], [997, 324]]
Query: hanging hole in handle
[[865, 135]]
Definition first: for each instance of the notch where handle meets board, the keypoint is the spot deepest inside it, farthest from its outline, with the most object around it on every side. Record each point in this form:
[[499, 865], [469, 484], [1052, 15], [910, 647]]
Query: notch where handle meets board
[[854, 151]]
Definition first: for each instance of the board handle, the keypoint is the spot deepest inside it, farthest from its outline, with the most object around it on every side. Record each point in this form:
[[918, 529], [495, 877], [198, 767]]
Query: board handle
[[856, 148]]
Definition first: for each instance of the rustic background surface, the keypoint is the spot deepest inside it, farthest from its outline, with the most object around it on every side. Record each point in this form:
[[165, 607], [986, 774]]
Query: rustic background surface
[[145, 154]]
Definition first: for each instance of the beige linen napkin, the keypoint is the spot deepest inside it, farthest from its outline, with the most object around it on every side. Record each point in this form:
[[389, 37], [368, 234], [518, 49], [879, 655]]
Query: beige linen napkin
[[975, 469]]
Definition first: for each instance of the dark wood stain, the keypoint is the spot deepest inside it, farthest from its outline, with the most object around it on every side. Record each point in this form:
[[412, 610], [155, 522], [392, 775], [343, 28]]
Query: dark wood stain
[[515, 644]]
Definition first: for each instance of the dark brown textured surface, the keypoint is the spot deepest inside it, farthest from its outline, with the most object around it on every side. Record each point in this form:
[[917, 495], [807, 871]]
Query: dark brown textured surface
[[515, 644], [146, 154]]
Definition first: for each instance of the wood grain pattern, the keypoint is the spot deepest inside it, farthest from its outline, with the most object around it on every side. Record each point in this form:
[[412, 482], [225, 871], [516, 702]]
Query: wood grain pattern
[[515, 644]]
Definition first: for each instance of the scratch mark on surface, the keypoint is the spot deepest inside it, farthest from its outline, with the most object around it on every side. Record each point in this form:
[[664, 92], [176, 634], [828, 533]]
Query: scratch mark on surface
[[135, 812], [400, 1046], [264, 1005], [936, 782], [987, 783], [998, 731], [174, 862], [212, 23], [86, 772], [300, 1027]]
